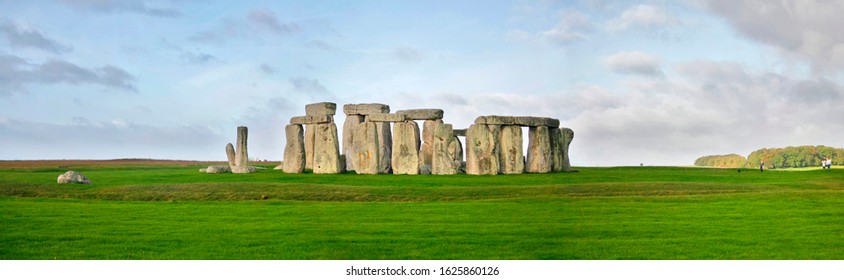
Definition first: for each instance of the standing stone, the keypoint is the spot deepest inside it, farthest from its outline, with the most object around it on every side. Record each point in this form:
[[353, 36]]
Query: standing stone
[[425, 151], [512, 159], [366, 148], [309, 146], [556, 138], [539, 150], [481, 152], [326, 149], [385, 142], [241, 154], [294, 150], [443, 162], [230, 154], [349, 126], [405, 155], [567, 135]]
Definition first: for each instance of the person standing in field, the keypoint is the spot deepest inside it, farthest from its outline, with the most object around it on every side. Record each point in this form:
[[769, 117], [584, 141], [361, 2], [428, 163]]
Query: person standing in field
[[829, 163], [823, 163], [761, 166]]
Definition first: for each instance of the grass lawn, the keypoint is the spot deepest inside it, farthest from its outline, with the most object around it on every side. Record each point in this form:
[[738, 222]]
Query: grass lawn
[[171, 211]]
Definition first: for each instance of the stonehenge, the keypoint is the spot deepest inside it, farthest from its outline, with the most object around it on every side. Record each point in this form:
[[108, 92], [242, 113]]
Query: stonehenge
[[376, 141]]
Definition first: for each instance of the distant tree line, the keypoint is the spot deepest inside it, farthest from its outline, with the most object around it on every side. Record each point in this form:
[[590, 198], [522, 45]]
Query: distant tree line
[[788, 157]]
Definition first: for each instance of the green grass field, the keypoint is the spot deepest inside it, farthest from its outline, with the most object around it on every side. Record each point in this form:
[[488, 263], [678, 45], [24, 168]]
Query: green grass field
[[171, 211]]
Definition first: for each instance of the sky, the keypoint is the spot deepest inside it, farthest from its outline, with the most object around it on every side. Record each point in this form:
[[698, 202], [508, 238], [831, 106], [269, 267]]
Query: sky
[[639, 82]]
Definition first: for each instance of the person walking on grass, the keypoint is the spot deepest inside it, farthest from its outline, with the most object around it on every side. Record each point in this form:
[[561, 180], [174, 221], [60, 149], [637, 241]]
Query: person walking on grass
[[761, 166], [823, 163], [829, 163]]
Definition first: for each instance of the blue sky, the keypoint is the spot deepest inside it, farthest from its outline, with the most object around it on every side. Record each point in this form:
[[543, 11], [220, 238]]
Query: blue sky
[[653, 82]]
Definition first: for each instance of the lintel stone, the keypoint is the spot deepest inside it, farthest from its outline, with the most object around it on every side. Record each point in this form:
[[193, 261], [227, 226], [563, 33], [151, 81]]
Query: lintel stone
[[314, 119], [536, 121], [365, 109], [322, 108], [380, 117], [422, 114], [495, 120]]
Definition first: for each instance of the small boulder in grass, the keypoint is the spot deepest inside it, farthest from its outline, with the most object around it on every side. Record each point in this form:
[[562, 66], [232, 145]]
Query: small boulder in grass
[[73, 177]]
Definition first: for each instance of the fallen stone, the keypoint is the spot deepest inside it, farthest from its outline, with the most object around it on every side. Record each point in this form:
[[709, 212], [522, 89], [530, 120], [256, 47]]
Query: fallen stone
[[539, 150], [349, 126], [313, 119], [366, 149], [326, 149], [422, 114], [281, 165], [73, 177], [244, 169], [365, 109], [495, 120], [481, 150], [215, 169], [322, 108], [380, 117], [536, 121], [406, 142], [294, 150], [512, 159]]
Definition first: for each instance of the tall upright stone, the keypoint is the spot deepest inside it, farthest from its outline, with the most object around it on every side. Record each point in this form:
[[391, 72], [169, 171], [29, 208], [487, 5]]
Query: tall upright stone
[[294, 150], [352, 122], [326, 149], [443, 158], [241, 156], [406, 143], [512, 158], [367, 150], [481, 152], [539, 150], [567, 135], [556, 141], [385, 142], [426, 150], [310, 130]]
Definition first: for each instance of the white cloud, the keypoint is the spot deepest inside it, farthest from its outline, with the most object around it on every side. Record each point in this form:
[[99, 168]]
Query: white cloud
[[634, 62], [22, 37], [573, 26], [17, 73], [806, 29], [642, 15], [121, 6]]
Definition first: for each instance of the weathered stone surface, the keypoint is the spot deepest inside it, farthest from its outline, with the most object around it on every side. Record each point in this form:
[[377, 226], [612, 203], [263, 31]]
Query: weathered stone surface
[[422, 114], [314, 119], [218, 169], [460, 132], [444, 149], [537, 121], [426, 150], [241, 156], [556, 141], [385, 143], [349, 126], [294, 150], [73, 177], [512, 160], [567, 135], [379, 117], [281, 165], [405, 154], [230, 154], [326, 149], [495, 120], [455, 152], [366, 148], [309, 146], [481, 150], [539, 150], [365, 109], [319, 109]]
